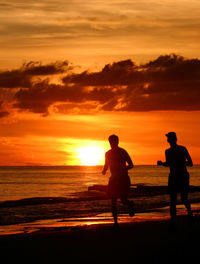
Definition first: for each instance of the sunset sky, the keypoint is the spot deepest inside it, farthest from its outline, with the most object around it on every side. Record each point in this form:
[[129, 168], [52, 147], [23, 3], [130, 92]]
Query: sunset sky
[[74, 72]]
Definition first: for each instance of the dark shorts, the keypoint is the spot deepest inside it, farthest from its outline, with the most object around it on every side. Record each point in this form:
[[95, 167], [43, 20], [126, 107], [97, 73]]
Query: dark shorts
[[118, 187], [178, 183]]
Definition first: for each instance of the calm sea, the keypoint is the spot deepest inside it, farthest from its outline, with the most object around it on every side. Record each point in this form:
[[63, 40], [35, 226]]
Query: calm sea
[[28, 194], [27, 182]]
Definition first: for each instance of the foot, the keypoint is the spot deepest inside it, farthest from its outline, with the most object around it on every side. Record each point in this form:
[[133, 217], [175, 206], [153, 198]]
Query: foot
[[131, 209]]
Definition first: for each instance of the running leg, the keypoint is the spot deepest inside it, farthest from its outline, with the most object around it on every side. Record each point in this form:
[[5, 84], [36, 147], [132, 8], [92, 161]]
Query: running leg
[[130, 205], [173, 196], [114, 209], [186, 202]]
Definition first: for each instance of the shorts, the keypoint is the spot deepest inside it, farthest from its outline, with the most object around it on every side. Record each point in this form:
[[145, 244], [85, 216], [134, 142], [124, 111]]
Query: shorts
[[118, 187], [178, 183]]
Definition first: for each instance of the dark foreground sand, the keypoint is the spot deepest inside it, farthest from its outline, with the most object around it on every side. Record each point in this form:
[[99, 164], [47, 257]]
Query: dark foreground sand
[[140, 242]]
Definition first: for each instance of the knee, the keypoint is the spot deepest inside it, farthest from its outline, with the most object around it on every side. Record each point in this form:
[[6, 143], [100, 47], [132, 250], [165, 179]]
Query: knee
[[184, 197], [185, 201], [173, 203]]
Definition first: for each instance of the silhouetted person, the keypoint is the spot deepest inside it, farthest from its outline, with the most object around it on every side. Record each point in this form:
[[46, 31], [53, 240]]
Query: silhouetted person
[[177, 158], [119, 162]]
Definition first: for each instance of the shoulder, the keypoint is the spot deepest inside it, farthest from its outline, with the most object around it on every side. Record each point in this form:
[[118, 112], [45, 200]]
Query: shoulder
[[108, 153], [168, 150], [182, 148], [122, 150]]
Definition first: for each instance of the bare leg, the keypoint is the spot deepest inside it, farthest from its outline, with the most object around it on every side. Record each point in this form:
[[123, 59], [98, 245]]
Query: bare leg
[[130, 205], [114, 209], [186, 202], [173, 196], [184, 198]]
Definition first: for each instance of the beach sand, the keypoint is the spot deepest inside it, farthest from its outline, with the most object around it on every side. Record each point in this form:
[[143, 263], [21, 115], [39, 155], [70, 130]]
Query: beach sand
[[144, 240]]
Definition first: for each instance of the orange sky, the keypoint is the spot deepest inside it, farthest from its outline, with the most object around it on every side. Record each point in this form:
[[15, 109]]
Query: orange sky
[[64, 97], [29, 140], [92, 33]]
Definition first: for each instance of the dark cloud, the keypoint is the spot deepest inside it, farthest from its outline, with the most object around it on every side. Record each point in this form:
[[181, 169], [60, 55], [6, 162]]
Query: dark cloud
[[170, 82], [23, 77], [14, 79], [118, 73], [3, 112], [36, 68], [41, 95]]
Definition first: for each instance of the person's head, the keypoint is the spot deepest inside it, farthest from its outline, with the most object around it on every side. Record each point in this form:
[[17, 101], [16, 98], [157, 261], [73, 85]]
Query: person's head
[[171, 138], [114, 141]]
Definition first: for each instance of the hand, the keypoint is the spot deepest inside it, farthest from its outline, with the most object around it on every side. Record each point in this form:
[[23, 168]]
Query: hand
[[159, 163]]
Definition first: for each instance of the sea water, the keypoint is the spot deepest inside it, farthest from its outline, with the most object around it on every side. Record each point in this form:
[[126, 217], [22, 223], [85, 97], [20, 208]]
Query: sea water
[[31, 193], [27, 182]]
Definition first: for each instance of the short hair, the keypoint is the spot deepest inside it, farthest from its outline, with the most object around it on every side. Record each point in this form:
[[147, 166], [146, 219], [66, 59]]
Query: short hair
[[171, 135], [113, 139]]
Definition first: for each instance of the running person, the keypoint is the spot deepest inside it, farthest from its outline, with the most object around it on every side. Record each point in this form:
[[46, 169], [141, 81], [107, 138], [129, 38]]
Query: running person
[[119, 162], [177, 158]]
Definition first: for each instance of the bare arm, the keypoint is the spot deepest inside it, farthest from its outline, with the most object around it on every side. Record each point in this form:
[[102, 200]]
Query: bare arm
[[105, 167], [165, 163], [160, 163], [130, 163], [188, 159]]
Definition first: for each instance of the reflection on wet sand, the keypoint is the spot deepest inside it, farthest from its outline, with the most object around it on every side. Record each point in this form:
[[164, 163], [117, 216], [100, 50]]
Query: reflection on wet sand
[[69, 224]]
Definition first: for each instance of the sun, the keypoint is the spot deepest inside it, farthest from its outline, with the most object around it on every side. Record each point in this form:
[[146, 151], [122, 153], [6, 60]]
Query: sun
[[90, 155]]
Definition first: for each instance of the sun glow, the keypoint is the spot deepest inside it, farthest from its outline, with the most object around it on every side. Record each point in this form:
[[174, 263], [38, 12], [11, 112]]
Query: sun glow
[[91, 155]]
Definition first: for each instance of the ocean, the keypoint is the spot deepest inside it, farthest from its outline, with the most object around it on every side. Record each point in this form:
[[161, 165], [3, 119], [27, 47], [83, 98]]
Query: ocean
[[29, 194]]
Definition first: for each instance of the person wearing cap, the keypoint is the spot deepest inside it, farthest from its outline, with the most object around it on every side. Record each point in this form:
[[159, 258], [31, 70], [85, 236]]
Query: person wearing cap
[[119, 162], [177, 159]]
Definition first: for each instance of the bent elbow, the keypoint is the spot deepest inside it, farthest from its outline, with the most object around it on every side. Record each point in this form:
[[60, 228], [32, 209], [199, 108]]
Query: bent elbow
[[190, 164]]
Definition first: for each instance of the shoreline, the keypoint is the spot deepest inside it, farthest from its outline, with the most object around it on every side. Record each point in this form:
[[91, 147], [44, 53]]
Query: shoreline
[[103, 219], [147, 240]]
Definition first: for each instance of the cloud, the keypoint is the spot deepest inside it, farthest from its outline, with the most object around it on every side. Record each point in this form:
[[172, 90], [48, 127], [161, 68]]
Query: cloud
[[111, 74], [36, 68], [13, 79], [3, 112], [23, 77], [170, 82], [41, 95]]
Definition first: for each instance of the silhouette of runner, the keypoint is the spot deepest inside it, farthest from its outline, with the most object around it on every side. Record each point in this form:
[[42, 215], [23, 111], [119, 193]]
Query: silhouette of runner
[[119, 162], [177, 158]]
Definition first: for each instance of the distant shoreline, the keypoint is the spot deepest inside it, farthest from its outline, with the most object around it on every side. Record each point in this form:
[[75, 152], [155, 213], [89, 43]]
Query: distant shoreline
[[72, 166]]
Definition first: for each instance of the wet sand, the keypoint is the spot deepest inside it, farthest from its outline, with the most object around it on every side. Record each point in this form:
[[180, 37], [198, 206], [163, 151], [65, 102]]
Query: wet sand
[[144, 240]]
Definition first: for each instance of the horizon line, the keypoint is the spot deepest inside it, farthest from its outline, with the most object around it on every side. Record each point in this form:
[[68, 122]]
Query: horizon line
[[197, 164]]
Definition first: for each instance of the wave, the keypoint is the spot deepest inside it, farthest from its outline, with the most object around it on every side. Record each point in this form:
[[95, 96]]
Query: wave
[[142, 189], [89, 203], [94, 192], [32, 201]]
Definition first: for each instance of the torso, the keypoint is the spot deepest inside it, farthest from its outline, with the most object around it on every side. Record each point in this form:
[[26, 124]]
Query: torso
[[117, 158], [176, 158]]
